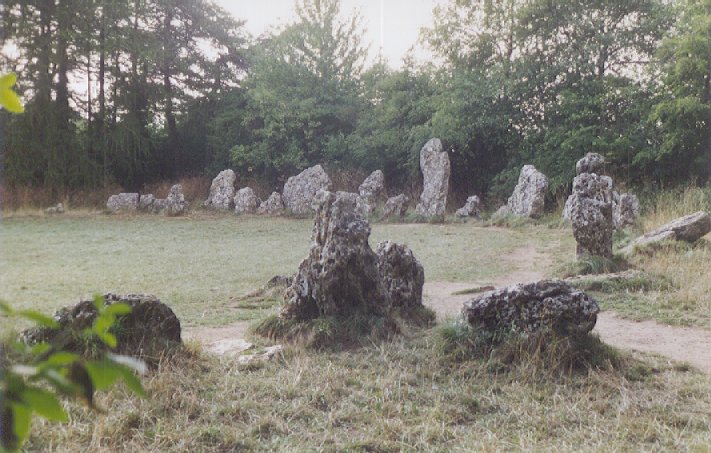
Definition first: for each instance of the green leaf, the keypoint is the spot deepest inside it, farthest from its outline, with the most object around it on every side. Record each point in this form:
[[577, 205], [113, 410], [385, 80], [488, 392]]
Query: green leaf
[[131, 381], [118, 309], [45, 404], [108, 338], [8, 80], [11, 101], [5, 307], [103, 373], [40, 348], [21, 417], [61, 358], [39, 318]]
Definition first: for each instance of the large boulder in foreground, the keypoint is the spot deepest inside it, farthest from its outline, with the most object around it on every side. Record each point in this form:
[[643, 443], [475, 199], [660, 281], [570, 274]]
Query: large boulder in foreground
[[371, 190], [246, 201], [591, 215], [528, 197], [435, 167], [123, 202], [150, 327], [539, 307], [272, 205], [396, 206], [403, 275], [689, 228], [470, 208], [299, 190], [222, 190], [340, 276]]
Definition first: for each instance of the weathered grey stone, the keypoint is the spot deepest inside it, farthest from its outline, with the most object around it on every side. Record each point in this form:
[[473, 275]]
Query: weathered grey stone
[[396, 206], [591, 214], [246, 202], [340, 276], [272, 205], [175, 203], [470, 208], [372, 190], [689, 228], [122, 202], [299, 190], [591, 163], [151, 325], [56, 209], [145, 203], [528, 197], [403, 275], [222, 190], [435, 167], [544, 306], [625, 209]]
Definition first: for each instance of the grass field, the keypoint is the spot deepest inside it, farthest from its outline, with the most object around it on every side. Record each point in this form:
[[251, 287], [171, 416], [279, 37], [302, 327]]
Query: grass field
[[404, 394]]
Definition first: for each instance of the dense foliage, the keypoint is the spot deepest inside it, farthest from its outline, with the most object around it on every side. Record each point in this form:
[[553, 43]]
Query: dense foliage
[[175, 88]]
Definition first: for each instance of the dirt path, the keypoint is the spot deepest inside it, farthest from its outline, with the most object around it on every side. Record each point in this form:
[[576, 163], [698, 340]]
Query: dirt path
[[682, 344]]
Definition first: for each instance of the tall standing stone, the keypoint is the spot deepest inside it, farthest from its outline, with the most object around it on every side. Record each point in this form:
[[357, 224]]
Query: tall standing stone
[[222, 190], [175, 204], [435, 167], [625, 209], [591, 214], [372, 190], [396, 206], [299, 190], [246, 202], [528, 197]]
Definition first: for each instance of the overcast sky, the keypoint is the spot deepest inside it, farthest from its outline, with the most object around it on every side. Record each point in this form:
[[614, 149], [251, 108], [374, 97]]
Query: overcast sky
[[401, 20]]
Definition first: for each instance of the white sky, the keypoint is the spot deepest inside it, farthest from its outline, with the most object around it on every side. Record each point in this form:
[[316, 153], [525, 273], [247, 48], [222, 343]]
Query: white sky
[[401, 21]]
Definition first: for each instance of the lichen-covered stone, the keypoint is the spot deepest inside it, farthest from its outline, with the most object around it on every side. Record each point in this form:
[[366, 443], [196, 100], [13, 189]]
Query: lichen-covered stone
[[175, 204], [372, 190], [145, 203], [396, 206], [299, 190], [528, 197], [470, 208], [625, 209], [689, 228], [122, 202], [591, 163], [246, 201], [222, 190], [591, 214], [272, 205], [544, 306], [403, 275], [435, 167]]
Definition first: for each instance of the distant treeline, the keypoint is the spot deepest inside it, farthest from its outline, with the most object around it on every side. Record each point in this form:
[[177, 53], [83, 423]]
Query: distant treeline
[[133, 91]]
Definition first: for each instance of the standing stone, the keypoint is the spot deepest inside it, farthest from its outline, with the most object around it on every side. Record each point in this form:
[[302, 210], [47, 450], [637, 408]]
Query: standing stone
[[403, 275], [175, 203], [470, 208], [146, 202], [372, 190], [56, 209], [272, 205], [625, 210], [122, 202], [435, 167], [246, 202], [396, 206], [340, 276], [299, 190], [591, 214], [222, 190], [528, 197], [591, 163]]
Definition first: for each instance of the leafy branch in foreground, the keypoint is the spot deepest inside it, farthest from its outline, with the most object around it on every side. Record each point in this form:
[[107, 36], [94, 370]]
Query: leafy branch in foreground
[[46, 371], [8, 98]]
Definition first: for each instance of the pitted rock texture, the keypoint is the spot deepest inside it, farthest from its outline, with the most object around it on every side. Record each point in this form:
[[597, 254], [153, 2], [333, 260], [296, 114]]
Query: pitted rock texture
[[528, 197], [470, 208], [435, 167], [372, 190], [222, 190], [591, 163], [122, 202], [543, 306], [299, 190], [340, 276], [175, 204], [591, 215], [625, 209], [272, 205], [396, 206], [403, 275], [689, 228], [146, 202], [246, 202], [151, 326]]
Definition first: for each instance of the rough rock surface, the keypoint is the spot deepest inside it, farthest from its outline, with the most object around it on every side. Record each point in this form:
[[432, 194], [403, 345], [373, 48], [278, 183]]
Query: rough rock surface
[[470, 208], [396, 206], [150, 326], [689, 228], [222, 190], [591, 215], [122, 202], [435, 167], [246, 202], [528, 197], [146, 202], [625, 209], [272, 205], [372, 190], [56, 209], [403, 275], [591, 163], [546, 305], [299, 190], [175, 204], [340, 276]]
